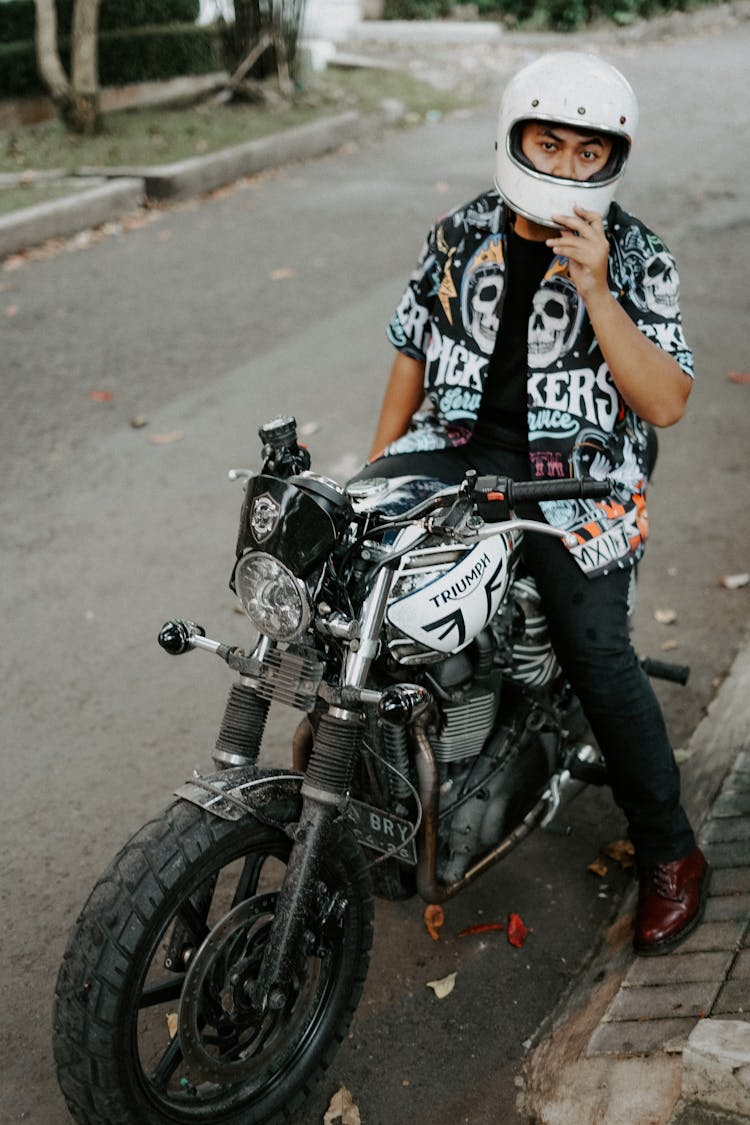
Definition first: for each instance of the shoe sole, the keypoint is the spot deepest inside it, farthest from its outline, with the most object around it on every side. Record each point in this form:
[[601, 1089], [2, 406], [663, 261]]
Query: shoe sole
[[666, 945]]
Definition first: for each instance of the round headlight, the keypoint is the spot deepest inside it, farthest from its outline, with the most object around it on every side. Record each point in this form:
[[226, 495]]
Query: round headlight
[[274, 599]]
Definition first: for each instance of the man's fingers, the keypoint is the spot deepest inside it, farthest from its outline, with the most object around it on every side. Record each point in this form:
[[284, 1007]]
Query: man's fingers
[[582, 220], [592, 217]]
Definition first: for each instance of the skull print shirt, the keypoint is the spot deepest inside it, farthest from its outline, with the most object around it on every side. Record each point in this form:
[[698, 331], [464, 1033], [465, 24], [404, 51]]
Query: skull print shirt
[[578, 424]]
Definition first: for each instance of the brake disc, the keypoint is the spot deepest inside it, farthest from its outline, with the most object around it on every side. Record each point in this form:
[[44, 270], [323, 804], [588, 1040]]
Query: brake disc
[[214, 996]]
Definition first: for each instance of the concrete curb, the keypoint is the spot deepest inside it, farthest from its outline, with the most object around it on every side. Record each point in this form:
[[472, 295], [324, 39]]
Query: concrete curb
[[716, 1065], [205, 173], [128, 187], [61, 218]]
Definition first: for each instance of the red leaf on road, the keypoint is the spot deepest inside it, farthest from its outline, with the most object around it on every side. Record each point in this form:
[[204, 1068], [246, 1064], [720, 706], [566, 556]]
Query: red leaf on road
[[738, 377], [517, 931], [481, 928], [101, 396]]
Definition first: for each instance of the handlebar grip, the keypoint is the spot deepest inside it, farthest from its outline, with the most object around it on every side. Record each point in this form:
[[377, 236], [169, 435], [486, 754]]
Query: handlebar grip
[[662, 670], [560, 490], [509, 492]]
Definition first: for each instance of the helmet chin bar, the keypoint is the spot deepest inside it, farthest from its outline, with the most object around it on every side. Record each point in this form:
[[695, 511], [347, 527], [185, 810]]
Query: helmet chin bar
[[551, 203]]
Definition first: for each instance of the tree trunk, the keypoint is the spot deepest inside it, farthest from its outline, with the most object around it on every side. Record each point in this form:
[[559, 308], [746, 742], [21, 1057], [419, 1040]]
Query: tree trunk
[[47, 56], [85, 116], [76, 99]]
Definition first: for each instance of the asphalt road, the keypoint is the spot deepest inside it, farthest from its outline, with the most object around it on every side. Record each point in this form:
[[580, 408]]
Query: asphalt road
[[207, 320]]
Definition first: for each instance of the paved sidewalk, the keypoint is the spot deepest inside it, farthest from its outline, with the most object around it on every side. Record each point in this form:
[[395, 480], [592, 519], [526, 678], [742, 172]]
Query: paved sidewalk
[[666, 1040]]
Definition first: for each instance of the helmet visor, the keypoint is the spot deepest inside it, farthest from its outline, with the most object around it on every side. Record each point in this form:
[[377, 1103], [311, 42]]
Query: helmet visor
[[610, 173]]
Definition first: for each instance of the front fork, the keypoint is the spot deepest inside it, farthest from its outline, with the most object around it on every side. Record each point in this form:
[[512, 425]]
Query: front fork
[[325, 790]]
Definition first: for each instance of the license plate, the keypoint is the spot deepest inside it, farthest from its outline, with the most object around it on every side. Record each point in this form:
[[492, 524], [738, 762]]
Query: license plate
[[382, 831]]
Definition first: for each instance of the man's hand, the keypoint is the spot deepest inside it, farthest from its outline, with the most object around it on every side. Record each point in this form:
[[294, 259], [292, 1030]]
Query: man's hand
[[583, 242], [650, 380]]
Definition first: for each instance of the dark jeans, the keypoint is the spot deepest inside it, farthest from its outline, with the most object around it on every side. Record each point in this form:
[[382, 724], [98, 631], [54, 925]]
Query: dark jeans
[[588, 623]]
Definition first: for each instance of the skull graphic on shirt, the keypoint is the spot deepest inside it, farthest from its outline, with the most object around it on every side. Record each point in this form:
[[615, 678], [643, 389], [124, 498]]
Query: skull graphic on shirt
[[482, 292], [661, 284], [552, 322]]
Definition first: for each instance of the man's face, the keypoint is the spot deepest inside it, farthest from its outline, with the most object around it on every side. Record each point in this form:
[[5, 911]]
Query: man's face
[[569, 154]]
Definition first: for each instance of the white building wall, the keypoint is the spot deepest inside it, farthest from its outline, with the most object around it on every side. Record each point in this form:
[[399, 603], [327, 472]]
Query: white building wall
[[324, 19]]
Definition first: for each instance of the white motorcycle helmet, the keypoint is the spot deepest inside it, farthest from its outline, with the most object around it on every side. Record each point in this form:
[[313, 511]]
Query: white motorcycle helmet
[[576, 90]]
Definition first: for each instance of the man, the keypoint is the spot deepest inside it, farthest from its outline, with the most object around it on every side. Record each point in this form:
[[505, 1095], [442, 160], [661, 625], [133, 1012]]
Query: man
[[542, 323]]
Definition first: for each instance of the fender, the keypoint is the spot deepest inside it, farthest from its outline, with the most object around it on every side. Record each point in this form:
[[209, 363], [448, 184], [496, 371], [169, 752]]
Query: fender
[[233, 793]]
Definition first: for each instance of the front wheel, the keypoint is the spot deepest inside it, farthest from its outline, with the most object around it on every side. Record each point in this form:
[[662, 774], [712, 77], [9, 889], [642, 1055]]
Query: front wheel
[[154, 1023]]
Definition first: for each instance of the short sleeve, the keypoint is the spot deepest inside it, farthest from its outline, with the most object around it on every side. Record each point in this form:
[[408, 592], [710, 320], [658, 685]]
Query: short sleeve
[[409, 327], [651, 295]]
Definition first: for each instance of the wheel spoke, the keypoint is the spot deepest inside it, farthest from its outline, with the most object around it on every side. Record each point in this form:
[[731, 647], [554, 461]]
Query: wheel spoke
[[190, 918], [247, 884], [162, 993], [167, 1064]]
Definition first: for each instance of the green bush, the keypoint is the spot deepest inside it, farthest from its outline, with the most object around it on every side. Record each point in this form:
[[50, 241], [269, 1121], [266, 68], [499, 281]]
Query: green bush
[[557, 15], [16, 21], [566, 15], [18, 76], [148, 54], [117, 14], [517, 9], [416, 9], [153, 54], [17, 17]]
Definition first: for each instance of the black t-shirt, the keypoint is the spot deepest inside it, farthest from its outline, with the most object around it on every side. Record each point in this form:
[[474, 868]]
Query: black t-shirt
[[504, 400]]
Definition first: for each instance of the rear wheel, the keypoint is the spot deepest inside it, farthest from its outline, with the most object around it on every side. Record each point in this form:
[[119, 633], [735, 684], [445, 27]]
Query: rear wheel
[[154, 1023]]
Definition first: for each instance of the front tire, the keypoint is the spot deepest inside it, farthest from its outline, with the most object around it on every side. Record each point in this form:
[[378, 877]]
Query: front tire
[[153, 1021]]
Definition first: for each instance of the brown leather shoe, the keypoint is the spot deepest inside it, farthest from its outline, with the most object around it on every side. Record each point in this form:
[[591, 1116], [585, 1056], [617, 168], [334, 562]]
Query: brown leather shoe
[[671, 900]]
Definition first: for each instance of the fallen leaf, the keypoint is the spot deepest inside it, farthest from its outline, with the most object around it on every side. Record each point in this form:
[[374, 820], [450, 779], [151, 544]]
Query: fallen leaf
[[734, 581], [139, 421], [165, 439], [16, 261], [623, 852], [669, 645], [433, 920], [517, 931], [172, 1023], [101, 396], [481, 928], [283, 274], [665, 616], [598, 867], [342, 1109], [137, 222], [442, 186], [164, 236], [443, 987], [738, 377], [11, 310]]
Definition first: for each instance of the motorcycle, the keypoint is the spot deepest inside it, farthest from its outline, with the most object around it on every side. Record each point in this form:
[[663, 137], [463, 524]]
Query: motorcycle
[[216, 966]]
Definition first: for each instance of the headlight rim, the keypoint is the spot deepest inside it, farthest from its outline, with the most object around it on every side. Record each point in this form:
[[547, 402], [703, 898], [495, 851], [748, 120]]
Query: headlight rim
[[305, 608]]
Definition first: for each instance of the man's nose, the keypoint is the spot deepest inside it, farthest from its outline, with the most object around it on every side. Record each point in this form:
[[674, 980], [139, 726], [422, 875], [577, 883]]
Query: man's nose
[[564, 165]]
